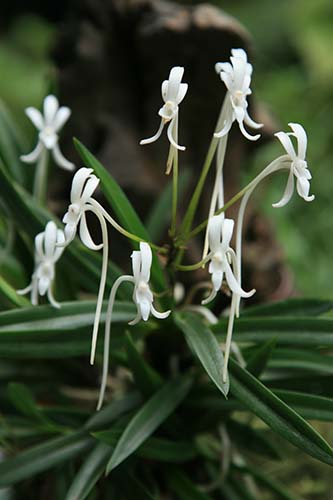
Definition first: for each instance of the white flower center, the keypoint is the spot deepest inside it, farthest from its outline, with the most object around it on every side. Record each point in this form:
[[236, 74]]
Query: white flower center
[[238, 97], [74, 209], [169, 110], [48, 130], [217, 258], [143, 286], [47, 269], [300, 167]]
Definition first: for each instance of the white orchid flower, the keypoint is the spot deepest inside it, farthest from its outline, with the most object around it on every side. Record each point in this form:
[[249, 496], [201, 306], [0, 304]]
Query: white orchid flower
[[221, 257], [47, 253], [49, 125], [237, 78], [298, 167], [142, 297], [173, 92], [83, 186]]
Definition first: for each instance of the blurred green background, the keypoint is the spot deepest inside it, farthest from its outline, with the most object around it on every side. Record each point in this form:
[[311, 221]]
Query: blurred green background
[[293, 77]]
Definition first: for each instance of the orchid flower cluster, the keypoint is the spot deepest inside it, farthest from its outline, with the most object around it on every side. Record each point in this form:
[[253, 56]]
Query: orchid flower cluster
[[224, 260]]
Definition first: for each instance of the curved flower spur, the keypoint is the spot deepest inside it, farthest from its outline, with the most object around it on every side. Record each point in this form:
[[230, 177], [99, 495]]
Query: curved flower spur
[[47, 253], [48, 125], [173, 92], [142, 297]]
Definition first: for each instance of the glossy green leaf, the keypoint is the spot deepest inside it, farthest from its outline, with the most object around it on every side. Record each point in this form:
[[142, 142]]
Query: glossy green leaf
[[257, 362], [304, 332], [204, 344], [22, 398], [251, 439], [43, 457], [122, 207], [112, 412], [276, 414], [300, 359], [290, 307], [11, 145], [89, 473], [145, 377], [309, 406], [43, 331], [150, 416]]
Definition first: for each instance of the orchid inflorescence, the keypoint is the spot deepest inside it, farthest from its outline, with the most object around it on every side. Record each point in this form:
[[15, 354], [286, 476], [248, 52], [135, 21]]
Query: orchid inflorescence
[[224, 261]]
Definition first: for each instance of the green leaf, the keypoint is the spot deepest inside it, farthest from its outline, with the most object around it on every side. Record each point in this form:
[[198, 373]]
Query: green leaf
[[150, 416], [304, 332], [11, 145], [291, 307], [11, 295], [123, 209], [112, 412], [42, 457], [309, 406], [89, 473], [160, 215], [300, 359], [276, 414], [145, 377], [160, 449], [43, 331], [23, 400], [204, 344], [182, 486], [257, 363]]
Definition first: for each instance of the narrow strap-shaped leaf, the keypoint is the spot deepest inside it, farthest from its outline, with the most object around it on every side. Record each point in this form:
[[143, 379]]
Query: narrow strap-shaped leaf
[[145, 377], [252, 439], [89, 473], [112, 412], [11, 145], [277, 414], [150, 416], [204, 344], [257, 363], [310, 406], [122, 207], [301, 331], [11, 295], [21, 397], [43, 457], [301, 359], [291, 307]]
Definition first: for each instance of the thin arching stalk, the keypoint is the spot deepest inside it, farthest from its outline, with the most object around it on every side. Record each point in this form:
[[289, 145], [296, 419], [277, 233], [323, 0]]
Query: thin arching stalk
[[40, 179]]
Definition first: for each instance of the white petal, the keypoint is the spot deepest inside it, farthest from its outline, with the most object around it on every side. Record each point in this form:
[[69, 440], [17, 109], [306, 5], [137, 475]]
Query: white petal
[[217, 278], [34, 291], [164, 90], [49, 140], [159, 315], [214, 232], [39, 245], [227, 230], [25, 290], [226, 127], [145, 309], [154, 137], [50, 239], [60, 245], [136, 319], [233, 283], [182, 92], [52, 300], [89, 188], [78, 182], [175, 77], [146, 260], [170, 135], [301, 137], [288, 191], [226, 67], [70, 232], [43, 285], [303, 188], [51, 106], [60, 160], [240, 53], [210, 297], [136, 264], [246, 134], [287, 144], [85, 235], [36, 117], [61, 117], [251, 123], [33, 156]]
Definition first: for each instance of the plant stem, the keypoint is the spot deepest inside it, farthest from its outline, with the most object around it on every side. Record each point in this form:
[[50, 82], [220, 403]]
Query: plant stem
[[174, 185], [40, 179]]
